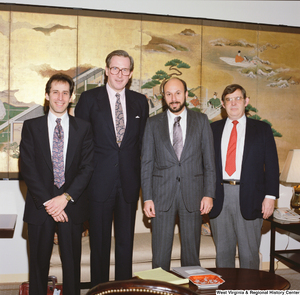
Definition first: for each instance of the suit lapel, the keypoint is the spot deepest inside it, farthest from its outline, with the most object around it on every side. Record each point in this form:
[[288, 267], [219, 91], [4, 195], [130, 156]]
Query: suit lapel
[[189, 133], [105, 111], [249, 138], [218, 132], [72, 142], [44, 136], [164, 134], [129, 115]]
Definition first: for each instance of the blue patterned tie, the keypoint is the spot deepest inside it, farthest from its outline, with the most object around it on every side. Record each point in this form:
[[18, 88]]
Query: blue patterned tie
[[177, 137], [58, 155], [120, 126]]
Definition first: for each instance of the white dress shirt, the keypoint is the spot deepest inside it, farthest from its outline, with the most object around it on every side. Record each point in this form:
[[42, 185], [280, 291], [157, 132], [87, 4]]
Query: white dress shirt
[[65, 125], [241, 131], [183, 123]]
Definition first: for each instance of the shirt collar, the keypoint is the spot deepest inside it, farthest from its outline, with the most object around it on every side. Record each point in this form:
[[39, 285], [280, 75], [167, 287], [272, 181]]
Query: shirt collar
[[241, 120], [172, 116], [53, 118], [112, 93]]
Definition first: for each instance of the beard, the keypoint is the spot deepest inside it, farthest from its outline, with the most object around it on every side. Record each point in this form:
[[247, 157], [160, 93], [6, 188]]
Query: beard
[[178, 109]]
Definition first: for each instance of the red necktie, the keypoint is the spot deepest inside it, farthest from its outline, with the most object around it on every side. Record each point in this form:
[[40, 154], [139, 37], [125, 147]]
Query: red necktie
[[231, 151]]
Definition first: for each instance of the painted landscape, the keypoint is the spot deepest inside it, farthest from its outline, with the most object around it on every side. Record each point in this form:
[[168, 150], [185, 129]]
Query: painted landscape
[[208, 57]]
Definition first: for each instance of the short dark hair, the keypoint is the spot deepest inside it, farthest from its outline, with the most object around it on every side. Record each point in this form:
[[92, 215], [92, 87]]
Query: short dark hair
[[165, 82], [60, 77], [119, 53], [232, 88]]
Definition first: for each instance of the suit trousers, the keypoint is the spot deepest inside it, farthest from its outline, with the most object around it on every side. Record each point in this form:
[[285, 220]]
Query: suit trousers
[[41, 244], [163, 225], [101, 217], [230, 229]]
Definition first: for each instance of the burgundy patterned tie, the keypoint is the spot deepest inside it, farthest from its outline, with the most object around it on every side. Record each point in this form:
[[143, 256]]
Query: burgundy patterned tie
[[177, 137], [119, 120], [58, 155]]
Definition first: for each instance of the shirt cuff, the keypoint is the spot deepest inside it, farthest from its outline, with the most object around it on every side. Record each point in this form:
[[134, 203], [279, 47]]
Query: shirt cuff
[[46, 202], [270, 197]]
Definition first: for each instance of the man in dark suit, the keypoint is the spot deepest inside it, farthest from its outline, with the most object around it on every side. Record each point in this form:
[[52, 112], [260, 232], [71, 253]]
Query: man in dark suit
[[178, 175], [247, 181], [118, 117], [56, 154]]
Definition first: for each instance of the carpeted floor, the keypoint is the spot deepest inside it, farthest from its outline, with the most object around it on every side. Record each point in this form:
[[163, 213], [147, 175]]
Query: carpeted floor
[[291, 275]]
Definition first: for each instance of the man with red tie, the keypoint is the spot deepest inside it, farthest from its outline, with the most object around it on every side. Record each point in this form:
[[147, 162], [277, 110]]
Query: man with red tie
[[247, 181]]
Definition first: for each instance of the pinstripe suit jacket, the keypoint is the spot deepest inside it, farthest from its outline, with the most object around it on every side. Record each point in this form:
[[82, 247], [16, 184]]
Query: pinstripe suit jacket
[[161, 170]]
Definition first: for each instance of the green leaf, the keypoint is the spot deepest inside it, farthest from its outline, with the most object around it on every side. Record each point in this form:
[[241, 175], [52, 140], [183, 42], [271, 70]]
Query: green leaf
[[150, 84], [276, 133], [265, 120], [171, 63], [157, 77], [249, 107], [255, 117], [191, 94], [183, 65]]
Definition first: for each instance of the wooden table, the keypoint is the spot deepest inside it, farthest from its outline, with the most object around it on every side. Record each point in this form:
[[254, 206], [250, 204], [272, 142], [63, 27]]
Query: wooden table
[[7, 225], [245, 279], [291, 256], [235, 279]]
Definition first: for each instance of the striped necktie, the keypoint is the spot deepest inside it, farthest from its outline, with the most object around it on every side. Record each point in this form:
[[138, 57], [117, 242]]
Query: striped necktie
[[177, 137]]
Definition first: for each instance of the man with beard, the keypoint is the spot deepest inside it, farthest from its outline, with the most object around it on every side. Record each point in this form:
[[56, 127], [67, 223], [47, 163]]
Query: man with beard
[[178, 175]]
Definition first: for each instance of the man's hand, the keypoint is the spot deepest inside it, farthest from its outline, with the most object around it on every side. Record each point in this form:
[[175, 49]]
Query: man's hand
[[63, 217], [206, 205], [56, 205], [149, 208], [267, 207]]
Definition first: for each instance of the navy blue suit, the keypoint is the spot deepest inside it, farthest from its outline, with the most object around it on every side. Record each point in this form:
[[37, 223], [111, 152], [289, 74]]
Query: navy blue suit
[[260, 170], [236, 217], [115, 184]]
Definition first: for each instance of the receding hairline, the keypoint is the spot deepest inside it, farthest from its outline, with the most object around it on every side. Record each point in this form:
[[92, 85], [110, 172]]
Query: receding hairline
[[174, 78]]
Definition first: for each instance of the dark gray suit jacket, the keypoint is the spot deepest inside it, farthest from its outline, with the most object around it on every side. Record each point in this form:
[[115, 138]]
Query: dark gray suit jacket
[[161, 170]]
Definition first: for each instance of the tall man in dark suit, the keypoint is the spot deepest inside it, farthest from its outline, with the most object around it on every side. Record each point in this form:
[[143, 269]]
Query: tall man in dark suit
[[247, 181], [118, 117], [56, 154], [178, 175]]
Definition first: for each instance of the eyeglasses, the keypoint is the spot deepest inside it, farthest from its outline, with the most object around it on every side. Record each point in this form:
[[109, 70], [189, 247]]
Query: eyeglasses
[[237, 99], [116, 71]]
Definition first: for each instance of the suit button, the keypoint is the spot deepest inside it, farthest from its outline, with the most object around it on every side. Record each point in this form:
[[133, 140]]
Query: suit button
[[178, 179], [179, 164], [116, 164]]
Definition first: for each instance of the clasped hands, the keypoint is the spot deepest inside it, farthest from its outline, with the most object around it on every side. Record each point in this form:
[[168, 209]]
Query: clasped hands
[[55, 207]]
